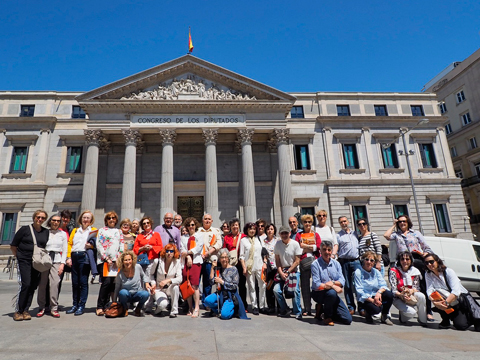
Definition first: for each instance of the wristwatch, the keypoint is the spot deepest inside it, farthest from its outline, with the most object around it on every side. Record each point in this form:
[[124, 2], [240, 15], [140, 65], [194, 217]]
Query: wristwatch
[[446, 303]]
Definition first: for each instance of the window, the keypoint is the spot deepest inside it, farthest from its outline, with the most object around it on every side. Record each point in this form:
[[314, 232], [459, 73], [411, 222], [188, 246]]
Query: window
[[417, 110], [389, 155], [427, 155], [443, 107], [9, 225], [448, 129], [302, 160], [74, 159], [359, 212], [19, 159], [458, 173], [477, 169], [381, 110], [350, 156], [27, 110], [460, 97], [443, 221], [399, 210], [78, 113], [343, 110], [297, 112], [453, 151], [472, 143], [466, 119]]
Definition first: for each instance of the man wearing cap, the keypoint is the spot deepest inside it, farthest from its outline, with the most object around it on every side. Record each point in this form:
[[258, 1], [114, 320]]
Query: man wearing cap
[[287, 257]]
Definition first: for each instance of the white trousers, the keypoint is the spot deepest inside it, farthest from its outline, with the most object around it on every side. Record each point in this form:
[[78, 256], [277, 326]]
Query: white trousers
[[251, 288], [408, 312], [163, 296]]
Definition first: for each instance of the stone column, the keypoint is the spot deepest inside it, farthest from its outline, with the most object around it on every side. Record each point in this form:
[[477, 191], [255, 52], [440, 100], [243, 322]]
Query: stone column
[[446, 152], [211, 184], [245, 137], [132, 137], [286, 201], [166, 192], [93, 138]]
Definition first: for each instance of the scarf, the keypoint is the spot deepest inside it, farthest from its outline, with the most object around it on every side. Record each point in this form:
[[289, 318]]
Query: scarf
[[250, 254]]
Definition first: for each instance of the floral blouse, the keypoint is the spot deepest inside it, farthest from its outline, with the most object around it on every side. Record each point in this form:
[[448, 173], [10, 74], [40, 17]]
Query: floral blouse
[[109, 244], [411, 241], [411, 278], [230, 277]]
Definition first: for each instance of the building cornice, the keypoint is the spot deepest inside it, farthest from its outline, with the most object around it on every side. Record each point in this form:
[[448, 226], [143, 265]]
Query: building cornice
[[383, 121]]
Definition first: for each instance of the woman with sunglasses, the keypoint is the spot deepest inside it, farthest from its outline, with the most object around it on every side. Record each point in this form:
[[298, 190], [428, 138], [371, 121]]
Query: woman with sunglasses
[[443, 281], [165, 280], [148, 242], [372, 292], [110, 246], [193, 265], [310, 242], [368, 241], [57, 246], [405, 284], [128, 236], [225, 228], [22, 248], [404, 238]]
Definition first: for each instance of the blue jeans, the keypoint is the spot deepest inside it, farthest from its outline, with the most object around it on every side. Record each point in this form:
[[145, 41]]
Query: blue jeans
[[207, 288], [333, 306], [348, 268], [80, 273], [278, 292], [125, 297], [227, 310]]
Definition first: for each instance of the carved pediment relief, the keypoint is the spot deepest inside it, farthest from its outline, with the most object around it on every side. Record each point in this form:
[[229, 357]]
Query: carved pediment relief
[[189, 87]]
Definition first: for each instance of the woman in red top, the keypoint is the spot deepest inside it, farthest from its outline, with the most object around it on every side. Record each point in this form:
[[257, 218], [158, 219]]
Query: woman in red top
[[231, 242], [193, 263], [310, 242], [148, 241]]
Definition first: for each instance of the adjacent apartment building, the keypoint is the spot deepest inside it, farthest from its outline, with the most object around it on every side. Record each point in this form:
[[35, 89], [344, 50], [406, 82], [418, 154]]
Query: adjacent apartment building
[[458, 92]]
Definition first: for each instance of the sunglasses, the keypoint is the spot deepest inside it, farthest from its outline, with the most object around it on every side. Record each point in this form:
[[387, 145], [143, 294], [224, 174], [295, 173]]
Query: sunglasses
[[40, 217], [361, 224], [261, 226], [225, 227], [322, 216], [169, 251], [405, 259], [402, 221], [292, 222], [307, 222], [370, 260], [146, 223], [55, 220], [111, 218], [430, 262]]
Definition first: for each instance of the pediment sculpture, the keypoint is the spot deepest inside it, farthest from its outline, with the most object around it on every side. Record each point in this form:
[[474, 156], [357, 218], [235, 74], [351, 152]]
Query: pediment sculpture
[[187, 89]]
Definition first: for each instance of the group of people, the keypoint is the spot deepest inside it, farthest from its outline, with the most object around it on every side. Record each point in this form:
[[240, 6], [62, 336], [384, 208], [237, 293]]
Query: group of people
[[152, 269]]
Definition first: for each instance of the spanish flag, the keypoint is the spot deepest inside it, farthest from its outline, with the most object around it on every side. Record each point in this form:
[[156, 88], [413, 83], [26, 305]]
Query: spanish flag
[[190, 43]]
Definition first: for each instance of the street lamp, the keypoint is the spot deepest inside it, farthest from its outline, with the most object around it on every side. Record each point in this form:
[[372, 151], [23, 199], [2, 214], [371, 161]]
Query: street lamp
[[408, 153]]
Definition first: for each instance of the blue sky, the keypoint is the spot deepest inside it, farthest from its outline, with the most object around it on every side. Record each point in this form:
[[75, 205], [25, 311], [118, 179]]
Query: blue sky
[[343, 45]]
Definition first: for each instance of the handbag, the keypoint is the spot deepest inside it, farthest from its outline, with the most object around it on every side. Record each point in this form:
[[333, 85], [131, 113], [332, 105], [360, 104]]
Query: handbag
[[115, 310], [306, 263], [41, 259], [290, 286], [186, 288], [142, 259], [233, 254]]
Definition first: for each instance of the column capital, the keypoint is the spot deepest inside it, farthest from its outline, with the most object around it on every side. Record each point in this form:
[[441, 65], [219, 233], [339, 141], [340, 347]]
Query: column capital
[[325, 129], [168, 136], [245, 136], [272, 145], [93, 137], [132, 137], [45, 130], [281, 136], [104, 146], [210, 136], [140, 146]]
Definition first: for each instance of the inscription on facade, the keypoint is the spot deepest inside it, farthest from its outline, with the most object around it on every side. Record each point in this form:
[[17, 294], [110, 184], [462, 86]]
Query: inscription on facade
[[189, 120]]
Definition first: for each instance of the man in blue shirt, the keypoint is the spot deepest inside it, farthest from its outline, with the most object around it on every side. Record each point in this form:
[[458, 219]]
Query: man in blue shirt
[[348, 257], [327, 283]]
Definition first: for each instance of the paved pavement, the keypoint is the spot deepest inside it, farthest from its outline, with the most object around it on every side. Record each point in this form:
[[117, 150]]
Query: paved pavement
[[263, 337]]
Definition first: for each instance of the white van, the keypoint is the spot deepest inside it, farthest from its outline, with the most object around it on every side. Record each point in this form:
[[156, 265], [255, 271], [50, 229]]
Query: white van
[[463, 256]]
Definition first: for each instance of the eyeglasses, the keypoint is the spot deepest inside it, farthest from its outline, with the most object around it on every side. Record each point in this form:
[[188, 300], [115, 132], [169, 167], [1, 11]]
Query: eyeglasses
[[168, 218], [169, 251], [405, 259], [292, 222], [402, 221], [261, 226], [146, 223], [361, 224], [370, 260], [111, 218], [40, 217], [307, 222], [224, 227], [54, 220], [125, 225], [192, 225], [430, 262], [321, 215]]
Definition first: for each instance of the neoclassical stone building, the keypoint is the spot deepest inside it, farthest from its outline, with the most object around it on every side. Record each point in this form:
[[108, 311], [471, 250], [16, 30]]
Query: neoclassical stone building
[[191, 137]]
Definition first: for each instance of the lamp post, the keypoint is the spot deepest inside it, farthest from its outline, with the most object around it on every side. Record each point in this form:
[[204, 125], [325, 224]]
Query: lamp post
[[408, 153]]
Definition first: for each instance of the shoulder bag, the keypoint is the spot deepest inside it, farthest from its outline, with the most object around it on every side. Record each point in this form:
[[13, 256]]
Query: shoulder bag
[[142, 259], [41, 259], [186, 288], [233, 254], [115, 310]]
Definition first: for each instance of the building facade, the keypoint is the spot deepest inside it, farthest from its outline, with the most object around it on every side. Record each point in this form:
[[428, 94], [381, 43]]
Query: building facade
[[191, 137], [459, 100]]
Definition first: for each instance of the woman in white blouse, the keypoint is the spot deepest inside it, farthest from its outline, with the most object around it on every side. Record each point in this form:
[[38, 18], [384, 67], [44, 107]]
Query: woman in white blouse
[[327, 233], [165, 279], [252, 263], [444, 282], [57, 246]]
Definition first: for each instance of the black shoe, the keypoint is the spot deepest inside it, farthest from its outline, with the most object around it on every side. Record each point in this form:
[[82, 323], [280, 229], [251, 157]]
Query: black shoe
[[285, 313], [71, 310], [444, 324], [255, 311], [80, 311]]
